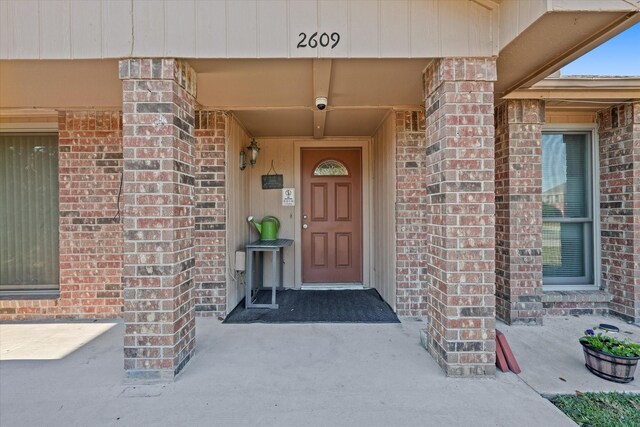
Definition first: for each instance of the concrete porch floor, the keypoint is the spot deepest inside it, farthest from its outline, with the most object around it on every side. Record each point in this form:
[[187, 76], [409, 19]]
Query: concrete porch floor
[[551, 358], [257, 375]]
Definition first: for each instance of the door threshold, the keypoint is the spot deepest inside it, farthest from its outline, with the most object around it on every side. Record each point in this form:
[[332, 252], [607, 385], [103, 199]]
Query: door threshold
[[331, 286]]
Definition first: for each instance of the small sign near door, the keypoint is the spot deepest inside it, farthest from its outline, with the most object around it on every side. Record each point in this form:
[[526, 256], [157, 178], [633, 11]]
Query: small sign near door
[[288, 197]]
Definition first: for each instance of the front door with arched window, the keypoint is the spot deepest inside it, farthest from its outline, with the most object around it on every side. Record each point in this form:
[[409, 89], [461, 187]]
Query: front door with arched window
[[331, 215]]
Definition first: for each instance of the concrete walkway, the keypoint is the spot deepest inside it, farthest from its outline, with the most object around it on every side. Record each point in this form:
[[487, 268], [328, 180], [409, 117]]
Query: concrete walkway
[[264, 375], [551, 358]]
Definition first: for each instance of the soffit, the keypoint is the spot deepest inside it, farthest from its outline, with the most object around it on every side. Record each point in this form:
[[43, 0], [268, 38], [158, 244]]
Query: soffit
[[579, 106], [581, 93], [60, 84], [553, 41], [270, 97], [277, 97], [255, 83], [273, 83]]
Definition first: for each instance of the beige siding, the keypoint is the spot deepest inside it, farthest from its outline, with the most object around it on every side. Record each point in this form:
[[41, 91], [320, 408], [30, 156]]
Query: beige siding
[[85, 28], [180, 40], [116, 29], [272, 43], [394, 38], [45, 29], [5, 40], [210, 24], [269, 202], [517, 15], [40, 29], [23, 29], [384, 195], [238, 207], [54, 43], [148, 29], [332, 16], [242, 34]]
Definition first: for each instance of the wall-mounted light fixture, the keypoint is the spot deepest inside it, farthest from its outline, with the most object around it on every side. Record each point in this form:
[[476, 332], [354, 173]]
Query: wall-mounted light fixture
[[253, 151], [243, 160]]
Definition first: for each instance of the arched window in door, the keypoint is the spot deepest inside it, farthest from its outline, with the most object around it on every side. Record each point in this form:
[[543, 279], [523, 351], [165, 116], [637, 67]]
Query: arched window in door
[[331, 168]]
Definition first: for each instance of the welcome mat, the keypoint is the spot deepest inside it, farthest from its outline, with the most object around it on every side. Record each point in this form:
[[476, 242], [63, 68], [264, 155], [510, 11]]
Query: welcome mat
[[328, 306]]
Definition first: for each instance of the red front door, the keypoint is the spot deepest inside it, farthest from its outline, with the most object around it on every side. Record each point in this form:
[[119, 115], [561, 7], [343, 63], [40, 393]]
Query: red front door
[[331, 215]]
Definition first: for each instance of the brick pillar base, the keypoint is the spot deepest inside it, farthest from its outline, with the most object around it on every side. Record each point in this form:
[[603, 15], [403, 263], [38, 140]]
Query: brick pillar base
[[619, 135], [460, 215], [519, 211], [159, 152]]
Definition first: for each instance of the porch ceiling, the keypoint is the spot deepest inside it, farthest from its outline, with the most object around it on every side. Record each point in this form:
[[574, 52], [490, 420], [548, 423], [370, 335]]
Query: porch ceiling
[[271, 97], [276, 97]]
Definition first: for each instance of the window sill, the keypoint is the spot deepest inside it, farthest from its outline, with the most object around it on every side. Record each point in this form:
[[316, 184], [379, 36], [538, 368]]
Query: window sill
[[552, 296], [28, 295]]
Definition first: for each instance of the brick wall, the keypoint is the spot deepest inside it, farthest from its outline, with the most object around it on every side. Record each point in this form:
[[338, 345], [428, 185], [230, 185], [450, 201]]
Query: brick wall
[[519, 211], [210, 214], [460, 214], [411, 269], [619, 135], [159, 178], [90, 166], [576, 303]]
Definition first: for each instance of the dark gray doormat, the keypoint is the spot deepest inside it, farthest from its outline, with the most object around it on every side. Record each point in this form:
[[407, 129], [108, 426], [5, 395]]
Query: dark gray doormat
[[330, 306]]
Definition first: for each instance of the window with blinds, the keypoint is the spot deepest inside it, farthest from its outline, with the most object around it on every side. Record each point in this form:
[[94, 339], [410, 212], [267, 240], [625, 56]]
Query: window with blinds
[[28, 212], [567, 209]]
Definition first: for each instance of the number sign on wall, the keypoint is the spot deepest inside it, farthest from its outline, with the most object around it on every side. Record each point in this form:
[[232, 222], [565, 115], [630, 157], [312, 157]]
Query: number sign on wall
[[316, 39]]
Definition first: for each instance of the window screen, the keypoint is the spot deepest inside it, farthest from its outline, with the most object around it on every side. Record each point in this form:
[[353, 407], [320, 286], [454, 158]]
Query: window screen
[[28, 212], [567, 210]]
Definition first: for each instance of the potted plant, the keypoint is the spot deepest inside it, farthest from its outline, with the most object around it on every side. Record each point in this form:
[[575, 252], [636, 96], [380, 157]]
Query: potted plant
[[610, 358]]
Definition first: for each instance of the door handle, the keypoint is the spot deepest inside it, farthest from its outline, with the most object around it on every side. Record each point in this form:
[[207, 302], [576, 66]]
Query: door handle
[[305, 226]]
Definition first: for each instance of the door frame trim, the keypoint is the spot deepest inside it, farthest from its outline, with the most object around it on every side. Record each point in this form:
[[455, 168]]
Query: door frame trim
[[364, 145]]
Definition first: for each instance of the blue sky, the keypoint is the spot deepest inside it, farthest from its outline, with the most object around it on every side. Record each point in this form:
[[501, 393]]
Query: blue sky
[[620, 56]]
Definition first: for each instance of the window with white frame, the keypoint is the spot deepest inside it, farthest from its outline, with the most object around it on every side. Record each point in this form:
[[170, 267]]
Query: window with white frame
[[567, 209]]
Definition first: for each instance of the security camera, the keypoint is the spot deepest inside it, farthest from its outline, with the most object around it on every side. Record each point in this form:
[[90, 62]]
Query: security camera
[[321, 102]]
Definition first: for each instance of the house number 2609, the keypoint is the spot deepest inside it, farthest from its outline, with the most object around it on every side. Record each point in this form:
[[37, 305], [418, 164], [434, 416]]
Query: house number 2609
[[316, 39]]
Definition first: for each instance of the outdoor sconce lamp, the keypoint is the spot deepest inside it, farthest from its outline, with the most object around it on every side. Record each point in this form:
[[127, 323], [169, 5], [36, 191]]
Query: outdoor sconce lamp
[[253, 151], [243, 160]]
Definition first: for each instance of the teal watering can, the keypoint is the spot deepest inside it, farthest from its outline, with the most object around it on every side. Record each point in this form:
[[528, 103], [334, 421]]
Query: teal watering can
[[268, 228]]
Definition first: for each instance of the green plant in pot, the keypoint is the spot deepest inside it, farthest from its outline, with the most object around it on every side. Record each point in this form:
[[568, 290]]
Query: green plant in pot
[[608, 357]]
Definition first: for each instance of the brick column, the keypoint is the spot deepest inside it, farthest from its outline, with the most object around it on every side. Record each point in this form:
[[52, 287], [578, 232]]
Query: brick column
[[460, 215], [619, 135], [159, 152], [519, 211]]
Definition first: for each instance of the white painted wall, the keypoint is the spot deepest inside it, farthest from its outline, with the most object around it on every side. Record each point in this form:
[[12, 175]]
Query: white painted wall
[[238, 202], [269, 202], [384, 220]]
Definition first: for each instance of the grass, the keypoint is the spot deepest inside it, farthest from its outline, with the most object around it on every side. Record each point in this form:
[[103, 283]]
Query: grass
[[601, 409]]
